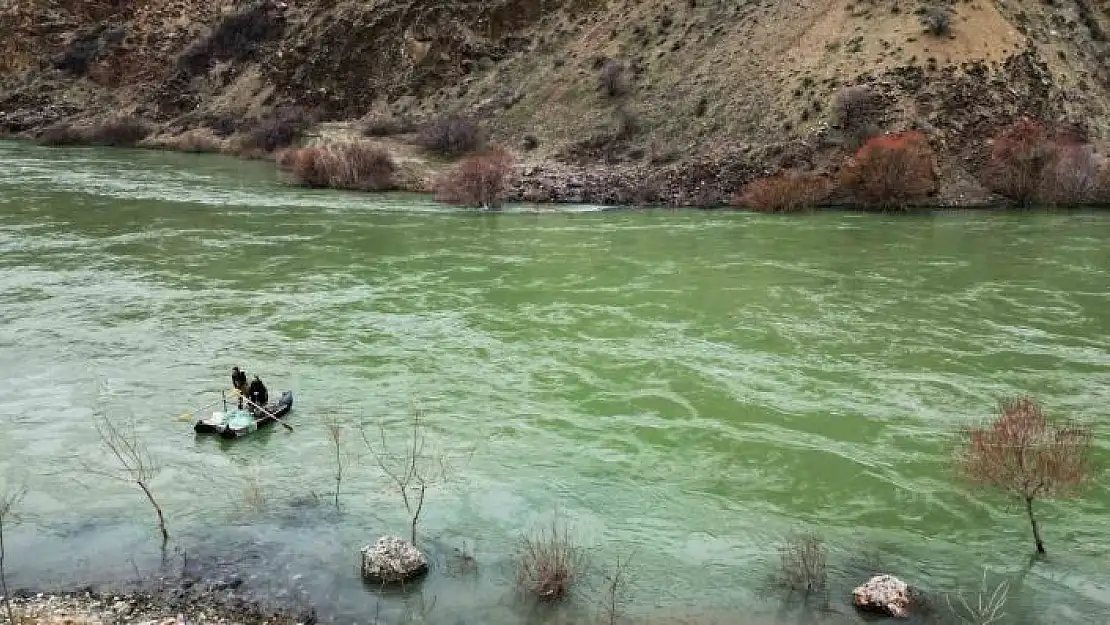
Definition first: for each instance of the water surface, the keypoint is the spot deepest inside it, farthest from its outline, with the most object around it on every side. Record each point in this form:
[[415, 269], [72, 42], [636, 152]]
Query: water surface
[[686, 387]]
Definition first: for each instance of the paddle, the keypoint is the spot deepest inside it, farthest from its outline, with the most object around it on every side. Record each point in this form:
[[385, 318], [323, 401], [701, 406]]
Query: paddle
[[192, 413], [265, 412]]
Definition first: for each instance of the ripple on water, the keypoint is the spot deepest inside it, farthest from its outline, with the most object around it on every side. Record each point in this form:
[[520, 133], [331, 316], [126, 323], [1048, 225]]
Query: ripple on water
[[689, 387]]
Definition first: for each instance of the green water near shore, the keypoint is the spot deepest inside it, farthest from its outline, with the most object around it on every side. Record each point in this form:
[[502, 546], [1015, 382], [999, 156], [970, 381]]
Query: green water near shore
[[685, 386]]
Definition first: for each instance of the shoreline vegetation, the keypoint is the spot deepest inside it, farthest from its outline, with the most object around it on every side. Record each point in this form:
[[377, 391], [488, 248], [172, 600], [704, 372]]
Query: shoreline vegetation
[[1027, 163], [1019, 452]]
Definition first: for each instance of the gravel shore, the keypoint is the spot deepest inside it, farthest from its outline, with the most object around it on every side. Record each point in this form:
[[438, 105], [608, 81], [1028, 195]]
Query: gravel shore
[[208, 605]]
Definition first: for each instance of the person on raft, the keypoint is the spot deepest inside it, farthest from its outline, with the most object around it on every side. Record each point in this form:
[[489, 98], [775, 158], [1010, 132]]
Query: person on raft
[[239, 383], [257, 392]]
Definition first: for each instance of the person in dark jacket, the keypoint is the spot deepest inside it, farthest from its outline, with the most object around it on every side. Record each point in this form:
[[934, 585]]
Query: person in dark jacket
[[239, 383], [257, 392]]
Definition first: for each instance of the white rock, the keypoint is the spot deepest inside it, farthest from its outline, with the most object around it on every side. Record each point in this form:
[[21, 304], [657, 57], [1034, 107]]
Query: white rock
[[392, 560], [885, 594]]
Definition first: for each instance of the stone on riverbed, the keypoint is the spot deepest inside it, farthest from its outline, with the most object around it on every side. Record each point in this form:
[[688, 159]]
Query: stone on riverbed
[[392, 560], [884, 594]]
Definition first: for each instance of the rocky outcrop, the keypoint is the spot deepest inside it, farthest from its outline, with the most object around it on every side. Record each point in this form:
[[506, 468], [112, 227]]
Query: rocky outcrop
[[884, 594], [392, 560]]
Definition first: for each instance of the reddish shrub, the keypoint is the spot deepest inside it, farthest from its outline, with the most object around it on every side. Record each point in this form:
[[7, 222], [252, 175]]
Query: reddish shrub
[[891, 170], [787, 191], [1032, 162], [481, 180], [305, 167], [356, 167], [1019, 156]]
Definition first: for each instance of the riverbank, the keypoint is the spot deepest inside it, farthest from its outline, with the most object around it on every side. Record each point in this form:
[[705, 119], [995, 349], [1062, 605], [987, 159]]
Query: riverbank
[[178, 604]]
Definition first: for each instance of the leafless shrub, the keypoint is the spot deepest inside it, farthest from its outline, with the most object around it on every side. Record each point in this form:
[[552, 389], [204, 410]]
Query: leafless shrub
[[802, 566], [857, 111], [611, 79], [938, 21], [253, 494], [196, 140], [786, 192], [412, 472], [134, 463], [1071, 176], [985, 606], [616, 591], [480, 181], [61, 134], [335, 436], [549, 564], [10, 496], [281, 129], [1033, 162], [1024, 454], [121, 131], [355, 166], [451, 135]]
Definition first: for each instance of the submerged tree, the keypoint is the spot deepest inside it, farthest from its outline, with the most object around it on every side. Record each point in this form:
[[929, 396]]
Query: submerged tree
[[412, 471], [9, 499], [134, 462], [335, 435], [1024, 454]]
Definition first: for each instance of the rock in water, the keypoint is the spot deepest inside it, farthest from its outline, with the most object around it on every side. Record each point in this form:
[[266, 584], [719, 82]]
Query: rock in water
[[885, 594], [392, 560]]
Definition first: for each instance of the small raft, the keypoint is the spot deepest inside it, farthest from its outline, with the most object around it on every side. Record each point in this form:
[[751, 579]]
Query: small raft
[[238, 423]]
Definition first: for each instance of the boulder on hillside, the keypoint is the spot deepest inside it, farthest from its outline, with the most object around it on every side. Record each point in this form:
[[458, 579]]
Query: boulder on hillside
[[884, 594], [392, 560]]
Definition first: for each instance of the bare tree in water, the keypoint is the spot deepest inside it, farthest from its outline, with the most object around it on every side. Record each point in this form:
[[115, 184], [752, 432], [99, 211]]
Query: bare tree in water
[[1024, 454], [335, 435], [412, 471], [133, 461], [9, 498]]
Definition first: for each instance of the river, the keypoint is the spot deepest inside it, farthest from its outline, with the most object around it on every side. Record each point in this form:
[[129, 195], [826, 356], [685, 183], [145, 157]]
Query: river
[[686, 387]]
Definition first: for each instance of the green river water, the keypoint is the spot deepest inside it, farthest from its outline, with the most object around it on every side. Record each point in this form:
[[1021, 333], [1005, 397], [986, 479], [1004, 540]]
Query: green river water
[[688, 387]]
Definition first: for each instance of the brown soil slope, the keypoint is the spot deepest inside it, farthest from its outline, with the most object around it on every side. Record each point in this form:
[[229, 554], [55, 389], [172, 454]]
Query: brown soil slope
[[705, 94]]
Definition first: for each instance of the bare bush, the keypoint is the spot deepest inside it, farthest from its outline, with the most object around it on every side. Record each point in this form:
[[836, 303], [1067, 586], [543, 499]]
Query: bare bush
[[197, 140], [1071, 176], [61, 134], [803, 565], [10, 497], [120, 131], [611, 79], [549, 564], [451, 135], [1033, 162], [281, 129], [335, 436], [480, 181], [891, 171], [354, 166], [134, 463], [123, 131], [938, 21], [984, 608], [857, 111], [616, 591], [1027, 456], [787, 191], [412, 472]]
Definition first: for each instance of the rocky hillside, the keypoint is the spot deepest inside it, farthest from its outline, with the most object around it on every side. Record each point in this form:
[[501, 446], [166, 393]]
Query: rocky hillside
[[692, 98]]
